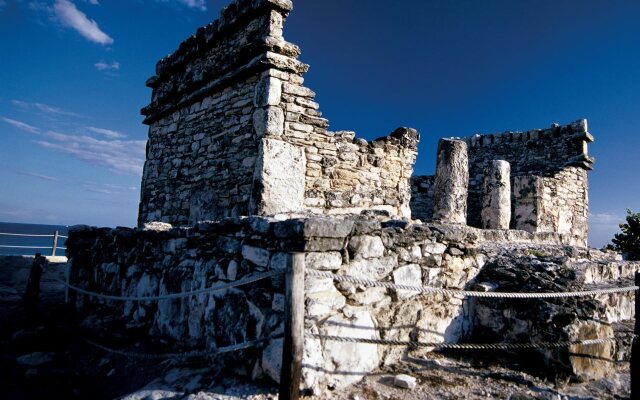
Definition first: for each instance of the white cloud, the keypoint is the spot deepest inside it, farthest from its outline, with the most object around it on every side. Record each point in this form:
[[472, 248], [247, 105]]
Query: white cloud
[[37, 175], [21, 125], [108, 133], [200, 4], [105, 66], [44, 108], [602, 227], [121, 156], [94, 2], [69, 15], [107, 188]]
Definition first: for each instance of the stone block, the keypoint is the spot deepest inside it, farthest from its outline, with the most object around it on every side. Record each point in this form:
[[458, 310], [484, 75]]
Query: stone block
[[366, 246], [407, 275], [330, 260], [280, 174], [327, 227], [268, 121], [256, 255], [268, 92]]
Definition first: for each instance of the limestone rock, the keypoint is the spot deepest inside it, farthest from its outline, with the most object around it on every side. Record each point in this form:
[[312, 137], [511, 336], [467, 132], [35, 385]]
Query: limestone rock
[[405, 381], [272, 359], [156, 226], [282, 182], [366, 246], [496, 196], [452, 180], [407, 275], [375, 268], [357, 358]]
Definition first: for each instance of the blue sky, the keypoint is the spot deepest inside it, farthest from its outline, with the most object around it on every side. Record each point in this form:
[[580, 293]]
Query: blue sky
[[72, 76]]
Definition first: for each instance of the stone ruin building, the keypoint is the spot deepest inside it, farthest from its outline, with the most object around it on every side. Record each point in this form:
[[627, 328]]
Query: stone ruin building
[[240, 162]]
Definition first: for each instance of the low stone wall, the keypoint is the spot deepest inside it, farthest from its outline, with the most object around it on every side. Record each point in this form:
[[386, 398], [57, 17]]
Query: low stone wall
[[147, 262]]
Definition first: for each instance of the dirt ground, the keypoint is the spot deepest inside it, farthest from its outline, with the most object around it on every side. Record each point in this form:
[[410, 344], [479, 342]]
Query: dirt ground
[[42, 356]]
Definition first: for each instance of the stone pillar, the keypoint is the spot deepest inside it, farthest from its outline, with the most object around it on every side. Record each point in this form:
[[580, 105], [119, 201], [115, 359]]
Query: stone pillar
[[496, 195], [452, 182]]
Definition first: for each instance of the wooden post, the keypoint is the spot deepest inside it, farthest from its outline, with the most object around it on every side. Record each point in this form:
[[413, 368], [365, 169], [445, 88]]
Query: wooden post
[[55, 244], [293, 347], [635, 347]]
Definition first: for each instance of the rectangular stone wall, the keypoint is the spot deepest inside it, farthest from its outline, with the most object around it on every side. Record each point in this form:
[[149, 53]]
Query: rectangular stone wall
[[343, 174], [555, 203], [541, 152], [203, 142], [234, 132], [135, 262], [422, 197]]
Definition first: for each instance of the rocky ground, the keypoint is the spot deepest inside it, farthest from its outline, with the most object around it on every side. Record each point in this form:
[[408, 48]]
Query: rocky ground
[[42, 356]]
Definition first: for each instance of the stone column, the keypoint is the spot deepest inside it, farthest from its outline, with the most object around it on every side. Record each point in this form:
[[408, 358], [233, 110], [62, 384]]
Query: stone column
[[496, 195], [452, 182]]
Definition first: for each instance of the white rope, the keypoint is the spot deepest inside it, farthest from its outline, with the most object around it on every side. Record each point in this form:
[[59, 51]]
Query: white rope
[[467, 293], [186, 354], [27, 234], [30, 247], [168, 296], [463, 346]]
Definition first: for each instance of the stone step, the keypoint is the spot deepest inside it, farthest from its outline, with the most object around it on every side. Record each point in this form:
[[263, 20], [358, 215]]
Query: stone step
[[597, 272], [623, 331], [617, 306]]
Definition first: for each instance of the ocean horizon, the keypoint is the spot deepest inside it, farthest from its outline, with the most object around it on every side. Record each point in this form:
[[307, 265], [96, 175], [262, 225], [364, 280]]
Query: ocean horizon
[[43, 244]]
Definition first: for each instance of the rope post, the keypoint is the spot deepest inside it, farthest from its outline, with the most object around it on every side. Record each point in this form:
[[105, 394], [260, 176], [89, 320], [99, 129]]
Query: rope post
[[293, 346], [635, 346], [55, 243]]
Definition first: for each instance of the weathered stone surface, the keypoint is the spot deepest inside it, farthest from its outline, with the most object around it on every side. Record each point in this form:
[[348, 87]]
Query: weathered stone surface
[[375, 268], [272, 359], [330, 260], [452, 180], [408, 275], [157, 226], [496, 196], [366, 246], [268, 92], [282, 182], [405, 381], [268, 121], [326, 227], [356, 358], [256, 255]]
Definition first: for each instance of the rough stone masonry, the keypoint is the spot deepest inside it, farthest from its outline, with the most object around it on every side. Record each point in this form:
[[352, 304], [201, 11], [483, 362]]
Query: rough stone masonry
[[241, 170]]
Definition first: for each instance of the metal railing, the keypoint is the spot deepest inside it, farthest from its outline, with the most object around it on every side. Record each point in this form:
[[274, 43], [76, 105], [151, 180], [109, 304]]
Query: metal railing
[[54, 245]]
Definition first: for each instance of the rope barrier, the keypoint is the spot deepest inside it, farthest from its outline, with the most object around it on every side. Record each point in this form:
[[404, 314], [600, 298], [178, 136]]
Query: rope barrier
[[168, 296], [463, 346], [468, 293], [27, 234], [30, 247], [186, 354]]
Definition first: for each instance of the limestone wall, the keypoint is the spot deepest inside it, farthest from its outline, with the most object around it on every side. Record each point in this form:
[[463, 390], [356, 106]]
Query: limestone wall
[[422, 197], [146, 262], [541, 152], [554, 203], [548, 167], [202, 148], [135, 262], [233, 131]]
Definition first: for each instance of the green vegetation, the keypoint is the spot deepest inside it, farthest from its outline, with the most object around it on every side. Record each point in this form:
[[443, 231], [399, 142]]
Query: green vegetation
[[537, 253], [628, 240]]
